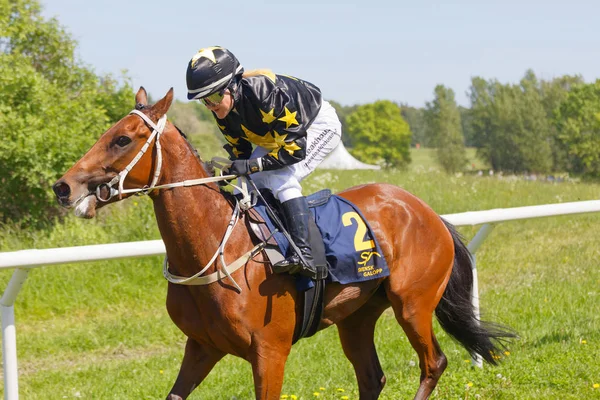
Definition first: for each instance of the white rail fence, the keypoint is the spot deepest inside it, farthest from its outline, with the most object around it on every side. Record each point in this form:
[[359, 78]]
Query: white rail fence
[[25, 260]]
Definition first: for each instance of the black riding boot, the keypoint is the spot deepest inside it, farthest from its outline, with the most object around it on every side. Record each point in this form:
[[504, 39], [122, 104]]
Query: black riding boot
[[296, 214]]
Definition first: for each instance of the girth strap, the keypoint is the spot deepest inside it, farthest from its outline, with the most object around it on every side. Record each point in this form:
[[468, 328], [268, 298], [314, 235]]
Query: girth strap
[[313, 308], [314, 296]]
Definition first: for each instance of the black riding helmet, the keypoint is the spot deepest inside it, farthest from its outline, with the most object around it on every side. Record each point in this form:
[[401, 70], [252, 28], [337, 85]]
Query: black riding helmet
[[211, 70]]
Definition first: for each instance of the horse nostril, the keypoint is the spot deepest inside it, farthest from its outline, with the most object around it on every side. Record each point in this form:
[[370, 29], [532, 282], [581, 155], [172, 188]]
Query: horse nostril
[[61, 189]]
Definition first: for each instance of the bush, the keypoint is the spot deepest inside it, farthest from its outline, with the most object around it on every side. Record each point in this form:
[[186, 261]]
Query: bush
[[380, 134], [52, 109]]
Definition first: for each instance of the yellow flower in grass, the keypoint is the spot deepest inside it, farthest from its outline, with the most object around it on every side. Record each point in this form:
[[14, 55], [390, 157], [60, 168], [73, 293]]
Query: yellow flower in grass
[[596, 385], [467, 361], [284, 396], [316, 394], [470, 384], [507, 353], [294, 397], [340, 390], [321, 389], [583, 341], [344, 398]]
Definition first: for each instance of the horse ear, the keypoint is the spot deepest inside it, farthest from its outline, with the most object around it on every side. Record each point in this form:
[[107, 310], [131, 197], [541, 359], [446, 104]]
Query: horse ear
[[141, 97], [163, 105]]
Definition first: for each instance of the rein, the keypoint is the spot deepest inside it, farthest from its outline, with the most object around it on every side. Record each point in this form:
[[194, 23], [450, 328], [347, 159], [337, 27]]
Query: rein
[[243, 204]]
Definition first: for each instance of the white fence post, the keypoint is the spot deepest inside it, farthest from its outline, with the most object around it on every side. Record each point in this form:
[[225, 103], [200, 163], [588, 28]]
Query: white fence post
[[9, 334], [473, 246]]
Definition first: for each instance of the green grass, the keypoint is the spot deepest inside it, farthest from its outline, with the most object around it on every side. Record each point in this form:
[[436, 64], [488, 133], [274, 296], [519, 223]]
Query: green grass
[[100, 330], [426, 158]]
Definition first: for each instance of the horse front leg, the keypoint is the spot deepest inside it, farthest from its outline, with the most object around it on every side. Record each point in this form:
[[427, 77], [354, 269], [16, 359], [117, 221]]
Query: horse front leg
[[198, 361], [268, 363]]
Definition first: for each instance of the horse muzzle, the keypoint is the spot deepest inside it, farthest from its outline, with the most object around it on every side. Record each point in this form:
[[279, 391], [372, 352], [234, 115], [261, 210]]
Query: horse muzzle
[[85, 203], [62, 190]]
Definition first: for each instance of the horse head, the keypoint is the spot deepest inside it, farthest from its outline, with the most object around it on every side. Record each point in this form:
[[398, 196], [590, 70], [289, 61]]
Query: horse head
[[119, 158]]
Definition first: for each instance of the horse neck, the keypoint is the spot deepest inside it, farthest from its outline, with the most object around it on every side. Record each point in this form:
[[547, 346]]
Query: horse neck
[[191, 220]]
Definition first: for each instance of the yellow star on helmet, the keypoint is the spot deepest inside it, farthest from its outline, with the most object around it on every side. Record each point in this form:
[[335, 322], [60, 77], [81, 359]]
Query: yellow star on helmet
[[268, 117], [289, 118], [207, 52]]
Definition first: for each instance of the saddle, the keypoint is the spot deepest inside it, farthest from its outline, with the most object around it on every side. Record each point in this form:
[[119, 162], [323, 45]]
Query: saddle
[[313, 293]]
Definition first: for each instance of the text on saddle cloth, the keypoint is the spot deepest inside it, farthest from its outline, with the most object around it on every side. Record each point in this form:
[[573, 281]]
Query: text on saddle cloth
[[351, 249]]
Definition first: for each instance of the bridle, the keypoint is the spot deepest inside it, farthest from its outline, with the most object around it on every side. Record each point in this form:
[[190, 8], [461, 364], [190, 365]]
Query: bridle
[[157, 130], [243, 204]]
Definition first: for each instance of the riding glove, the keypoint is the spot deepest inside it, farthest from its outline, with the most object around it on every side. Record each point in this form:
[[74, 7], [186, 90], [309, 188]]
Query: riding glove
[[245, 167]]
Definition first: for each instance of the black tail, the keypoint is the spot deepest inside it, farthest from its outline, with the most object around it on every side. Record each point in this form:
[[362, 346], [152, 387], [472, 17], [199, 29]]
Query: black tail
[[456, 314]]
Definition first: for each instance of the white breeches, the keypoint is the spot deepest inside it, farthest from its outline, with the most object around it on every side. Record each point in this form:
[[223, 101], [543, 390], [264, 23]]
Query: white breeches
[[322, 137]]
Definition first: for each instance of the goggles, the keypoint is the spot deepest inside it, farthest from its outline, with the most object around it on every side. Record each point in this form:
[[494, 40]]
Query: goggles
[[214, 99]]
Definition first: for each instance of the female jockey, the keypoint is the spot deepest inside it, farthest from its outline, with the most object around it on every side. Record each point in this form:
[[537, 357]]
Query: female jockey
[[287, 120]]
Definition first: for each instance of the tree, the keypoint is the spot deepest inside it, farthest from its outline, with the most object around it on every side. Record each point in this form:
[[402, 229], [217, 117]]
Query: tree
[[443, 122], [467, 126], [416, 121], [553, 93], [380, 134], [52, 109], [533, 136], [510, 127], [577, 120]]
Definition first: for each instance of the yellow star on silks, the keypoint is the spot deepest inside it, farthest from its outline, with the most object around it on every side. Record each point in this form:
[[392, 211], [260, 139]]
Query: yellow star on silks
[[268, 117], [263, 141], [221, 127], [232, 140], [289, 119], [278, 139], [291, 77], [275, 153], [236, 152], [207, 52], [261, 71], [269, 74], [291, 148]]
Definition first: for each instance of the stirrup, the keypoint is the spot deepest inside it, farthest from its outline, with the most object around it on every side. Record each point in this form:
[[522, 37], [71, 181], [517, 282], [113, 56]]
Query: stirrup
[[293, 265]]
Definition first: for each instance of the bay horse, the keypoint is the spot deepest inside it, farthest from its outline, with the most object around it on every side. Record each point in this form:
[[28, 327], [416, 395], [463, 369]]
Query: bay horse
[[430, 267]]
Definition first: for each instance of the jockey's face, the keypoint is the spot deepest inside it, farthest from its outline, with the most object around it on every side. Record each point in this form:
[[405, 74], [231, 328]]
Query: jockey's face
[[223, 108]]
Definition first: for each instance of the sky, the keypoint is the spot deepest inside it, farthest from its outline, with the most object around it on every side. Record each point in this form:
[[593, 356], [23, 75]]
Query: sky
[[356, 52]]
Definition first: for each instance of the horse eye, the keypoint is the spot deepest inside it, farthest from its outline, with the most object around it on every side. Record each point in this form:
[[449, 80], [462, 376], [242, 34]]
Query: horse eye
[[123, 141]]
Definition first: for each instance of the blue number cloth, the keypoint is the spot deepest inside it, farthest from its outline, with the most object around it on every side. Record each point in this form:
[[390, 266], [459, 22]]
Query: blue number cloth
[[352, 251]]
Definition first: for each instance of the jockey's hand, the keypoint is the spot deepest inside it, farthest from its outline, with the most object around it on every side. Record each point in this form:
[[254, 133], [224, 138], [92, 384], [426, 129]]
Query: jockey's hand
[[245, 167]]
